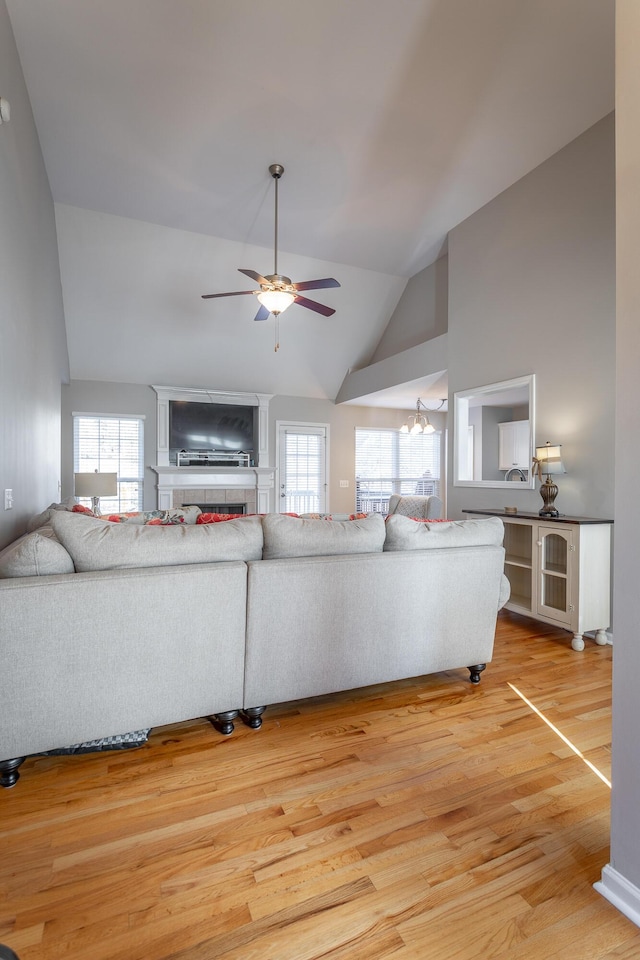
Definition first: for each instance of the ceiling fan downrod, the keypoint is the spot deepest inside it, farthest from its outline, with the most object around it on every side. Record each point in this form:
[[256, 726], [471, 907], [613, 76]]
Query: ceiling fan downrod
[[276, 170]]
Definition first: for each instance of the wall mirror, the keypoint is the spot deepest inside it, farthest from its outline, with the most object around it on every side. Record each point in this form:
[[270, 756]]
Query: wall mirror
[[494, 433]]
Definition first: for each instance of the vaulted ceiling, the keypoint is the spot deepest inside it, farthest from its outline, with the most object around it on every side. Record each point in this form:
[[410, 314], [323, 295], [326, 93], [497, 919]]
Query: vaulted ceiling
[[394, 120]]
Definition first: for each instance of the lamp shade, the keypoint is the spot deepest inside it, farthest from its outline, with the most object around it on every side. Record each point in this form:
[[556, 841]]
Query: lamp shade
[[550, 459], [95, 484]]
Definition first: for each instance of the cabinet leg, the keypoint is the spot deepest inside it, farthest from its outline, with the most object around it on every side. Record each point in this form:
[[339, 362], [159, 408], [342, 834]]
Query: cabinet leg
[[601, 637], [577, 643]]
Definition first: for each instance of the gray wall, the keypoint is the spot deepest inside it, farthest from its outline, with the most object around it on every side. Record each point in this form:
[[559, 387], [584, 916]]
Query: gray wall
[[625, 796], [94, 396], [532, 290], [421, 313], [33, 355]]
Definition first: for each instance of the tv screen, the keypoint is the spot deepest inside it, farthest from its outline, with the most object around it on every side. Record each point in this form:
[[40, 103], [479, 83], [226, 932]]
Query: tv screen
[[210, 426]]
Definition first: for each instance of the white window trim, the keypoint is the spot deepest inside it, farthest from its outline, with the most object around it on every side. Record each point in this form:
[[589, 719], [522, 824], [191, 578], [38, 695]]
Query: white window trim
[[113, 416]]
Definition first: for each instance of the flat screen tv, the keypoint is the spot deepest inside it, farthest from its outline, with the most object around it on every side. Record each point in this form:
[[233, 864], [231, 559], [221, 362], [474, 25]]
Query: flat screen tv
[[207, 427]]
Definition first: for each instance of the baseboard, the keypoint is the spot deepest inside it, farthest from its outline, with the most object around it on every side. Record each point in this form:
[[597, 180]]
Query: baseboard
[[620, 892]]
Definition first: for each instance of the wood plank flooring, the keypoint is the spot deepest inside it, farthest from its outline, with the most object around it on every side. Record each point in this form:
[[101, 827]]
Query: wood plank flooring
[[420, 820]]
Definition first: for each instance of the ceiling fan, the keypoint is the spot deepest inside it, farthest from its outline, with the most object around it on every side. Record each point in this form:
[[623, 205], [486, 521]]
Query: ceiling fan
[[277, 292]]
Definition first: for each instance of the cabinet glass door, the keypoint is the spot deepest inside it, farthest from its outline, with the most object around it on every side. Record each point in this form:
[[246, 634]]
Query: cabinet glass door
[[553, 596]]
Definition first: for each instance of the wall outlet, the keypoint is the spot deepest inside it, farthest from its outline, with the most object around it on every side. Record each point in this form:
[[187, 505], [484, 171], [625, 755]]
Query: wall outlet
[[344, 483], [8, 499]]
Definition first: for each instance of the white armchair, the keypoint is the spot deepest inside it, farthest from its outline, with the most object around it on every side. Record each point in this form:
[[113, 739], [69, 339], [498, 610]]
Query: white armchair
[[423, 508]]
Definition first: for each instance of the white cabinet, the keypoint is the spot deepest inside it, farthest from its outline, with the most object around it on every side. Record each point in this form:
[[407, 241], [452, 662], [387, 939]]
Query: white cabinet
[[514, 445], [559, 571]]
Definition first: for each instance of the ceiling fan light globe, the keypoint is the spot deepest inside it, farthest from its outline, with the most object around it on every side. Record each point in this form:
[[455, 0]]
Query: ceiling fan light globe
[[429, 427], [276, 301], [416, 428], [404, 428]]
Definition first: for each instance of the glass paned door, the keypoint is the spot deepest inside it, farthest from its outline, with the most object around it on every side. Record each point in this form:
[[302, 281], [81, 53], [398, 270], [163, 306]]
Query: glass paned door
[[554, 592], [302, 468]]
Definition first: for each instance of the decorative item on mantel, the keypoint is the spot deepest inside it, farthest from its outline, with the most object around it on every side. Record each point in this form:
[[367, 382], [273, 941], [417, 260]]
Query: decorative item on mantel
[[421, 423], [95, 485], [548, 460]]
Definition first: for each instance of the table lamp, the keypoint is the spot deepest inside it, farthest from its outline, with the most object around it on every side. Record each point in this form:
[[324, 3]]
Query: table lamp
[[548, 460], [95, 485]]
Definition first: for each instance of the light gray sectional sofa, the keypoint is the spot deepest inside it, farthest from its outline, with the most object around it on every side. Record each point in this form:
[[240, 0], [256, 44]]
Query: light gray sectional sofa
[[107, 628]]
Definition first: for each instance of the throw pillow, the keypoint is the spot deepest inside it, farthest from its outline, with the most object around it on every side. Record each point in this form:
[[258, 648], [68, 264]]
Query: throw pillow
[[42, 519], [220, 517], [402, 533], [296, 537], [35, 554], [95, 545]]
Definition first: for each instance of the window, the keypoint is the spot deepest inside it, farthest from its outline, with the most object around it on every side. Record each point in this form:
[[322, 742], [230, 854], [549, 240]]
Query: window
[[111, 445], [302, 464], [388, 461]]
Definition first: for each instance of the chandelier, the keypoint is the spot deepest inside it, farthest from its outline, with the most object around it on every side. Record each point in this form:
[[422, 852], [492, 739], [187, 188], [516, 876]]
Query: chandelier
[[419, 422]]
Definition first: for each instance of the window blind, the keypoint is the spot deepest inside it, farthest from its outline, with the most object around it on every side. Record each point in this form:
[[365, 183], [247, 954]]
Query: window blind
[[111, 445], [303, 468], [388, 462]]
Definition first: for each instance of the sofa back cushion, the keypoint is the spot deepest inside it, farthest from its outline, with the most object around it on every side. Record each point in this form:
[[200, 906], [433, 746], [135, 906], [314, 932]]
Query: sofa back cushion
[[97, 545], [406, 534], [36, 554], [295, 537]]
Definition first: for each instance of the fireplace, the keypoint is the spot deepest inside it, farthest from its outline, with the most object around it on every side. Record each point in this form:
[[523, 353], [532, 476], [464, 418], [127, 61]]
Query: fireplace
[[219, 507], [219, 499], [213, 484]]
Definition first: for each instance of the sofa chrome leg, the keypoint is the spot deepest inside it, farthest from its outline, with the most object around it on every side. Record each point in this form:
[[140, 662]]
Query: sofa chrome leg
[[252, 716], [223, 722], [475, 672], [9, 771]]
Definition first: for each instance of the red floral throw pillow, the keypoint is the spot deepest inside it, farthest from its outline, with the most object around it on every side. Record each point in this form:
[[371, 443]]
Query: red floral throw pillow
[[220, 517]]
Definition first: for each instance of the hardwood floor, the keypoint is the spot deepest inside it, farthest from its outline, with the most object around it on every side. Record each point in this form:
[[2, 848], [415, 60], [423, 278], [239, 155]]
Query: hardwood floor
[[423, 819]]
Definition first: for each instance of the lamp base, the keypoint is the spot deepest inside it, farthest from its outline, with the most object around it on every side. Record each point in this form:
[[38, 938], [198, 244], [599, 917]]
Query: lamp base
[[95, 506], [548, 492]]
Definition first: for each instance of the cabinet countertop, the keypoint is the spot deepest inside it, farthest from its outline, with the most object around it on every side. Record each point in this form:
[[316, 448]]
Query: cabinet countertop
[[563, 518]]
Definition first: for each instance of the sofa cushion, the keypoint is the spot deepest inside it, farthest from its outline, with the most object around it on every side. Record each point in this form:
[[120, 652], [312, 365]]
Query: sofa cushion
[[36, 554], [406, 534], [96, 545], [295, 537]]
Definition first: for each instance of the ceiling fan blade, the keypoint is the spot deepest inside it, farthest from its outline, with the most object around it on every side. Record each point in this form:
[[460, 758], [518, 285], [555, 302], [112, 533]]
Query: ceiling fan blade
[[316, 284], [254, 276], [234, 293], [312, 305], [262, 313]]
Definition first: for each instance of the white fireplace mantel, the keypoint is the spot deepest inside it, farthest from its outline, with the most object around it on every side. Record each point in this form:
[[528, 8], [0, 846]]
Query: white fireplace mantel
[[172, 477], [214, 478]]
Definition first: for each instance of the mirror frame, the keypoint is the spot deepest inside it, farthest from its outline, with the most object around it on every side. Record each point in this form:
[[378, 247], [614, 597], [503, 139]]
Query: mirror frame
[[461, 425]]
